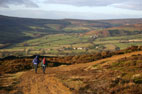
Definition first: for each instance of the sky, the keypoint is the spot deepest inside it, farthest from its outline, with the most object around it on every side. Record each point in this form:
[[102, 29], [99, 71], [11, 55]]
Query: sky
[[72, 9]]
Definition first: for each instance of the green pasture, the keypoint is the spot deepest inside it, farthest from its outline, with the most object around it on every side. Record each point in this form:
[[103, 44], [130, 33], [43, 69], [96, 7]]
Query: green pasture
[[59, 44]]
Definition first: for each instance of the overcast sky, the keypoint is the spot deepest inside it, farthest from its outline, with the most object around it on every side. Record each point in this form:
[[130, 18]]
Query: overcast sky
[[75, 9]]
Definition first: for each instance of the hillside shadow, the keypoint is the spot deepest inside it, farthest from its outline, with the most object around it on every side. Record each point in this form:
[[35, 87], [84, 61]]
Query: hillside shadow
[[56, 64], [8, 88]]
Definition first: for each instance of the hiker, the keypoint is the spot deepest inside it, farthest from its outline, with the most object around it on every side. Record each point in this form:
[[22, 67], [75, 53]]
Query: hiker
[[36, 62], [44, 64]]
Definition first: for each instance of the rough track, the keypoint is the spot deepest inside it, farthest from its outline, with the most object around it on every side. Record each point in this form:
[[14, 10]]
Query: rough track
[[41, 84]]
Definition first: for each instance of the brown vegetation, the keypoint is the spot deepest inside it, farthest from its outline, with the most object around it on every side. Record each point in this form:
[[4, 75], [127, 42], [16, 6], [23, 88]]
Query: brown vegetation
[[85, 58], [126, 29], [15, 64], [119, 74]]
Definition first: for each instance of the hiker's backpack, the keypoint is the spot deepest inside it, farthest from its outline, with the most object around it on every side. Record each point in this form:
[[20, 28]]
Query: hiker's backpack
[[44, 61]]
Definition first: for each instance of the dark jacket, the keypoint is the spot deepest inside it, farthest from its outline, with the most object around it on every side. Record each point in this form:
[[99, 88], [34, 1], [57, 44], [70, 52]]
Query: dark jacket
[[36, 60]]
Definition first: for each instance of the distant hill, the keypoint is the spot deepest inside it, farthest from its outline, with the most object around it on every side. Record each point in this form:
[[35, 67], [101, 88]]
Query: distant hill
[[126, 29], [15, 30]]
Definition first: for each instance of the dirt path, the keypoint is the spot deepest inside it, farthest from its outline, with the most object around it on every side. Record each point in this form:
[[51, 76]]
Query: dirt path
[[41, 84], [32, 83]]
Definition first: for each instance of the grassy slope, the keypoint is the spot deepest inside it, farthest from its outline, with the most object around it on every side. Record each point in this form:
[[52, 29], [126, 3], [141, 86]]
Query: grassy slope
[[123, 30], [15, 30], [20, 29], [116, 41], [63, 44]]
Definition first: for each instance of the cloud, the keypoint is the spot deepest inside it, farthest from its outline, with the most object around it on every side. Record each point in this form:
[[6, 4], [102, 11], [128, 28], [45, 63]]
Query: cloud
[[62, 14], [26, 3], [82, 2], [134, 5], [124, 4], [128, 4]]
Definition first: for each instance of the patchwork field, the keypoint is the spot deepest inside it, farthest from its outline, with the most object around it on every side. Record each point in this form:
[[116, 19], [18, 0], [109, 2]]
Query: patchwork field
[[71, 44]]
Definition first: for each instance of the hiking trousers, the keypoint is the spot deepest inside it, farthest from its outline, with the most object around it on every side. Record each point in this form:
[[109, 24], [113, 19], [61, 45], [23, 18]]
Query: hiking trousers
[[35, 66], [44, 68]]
